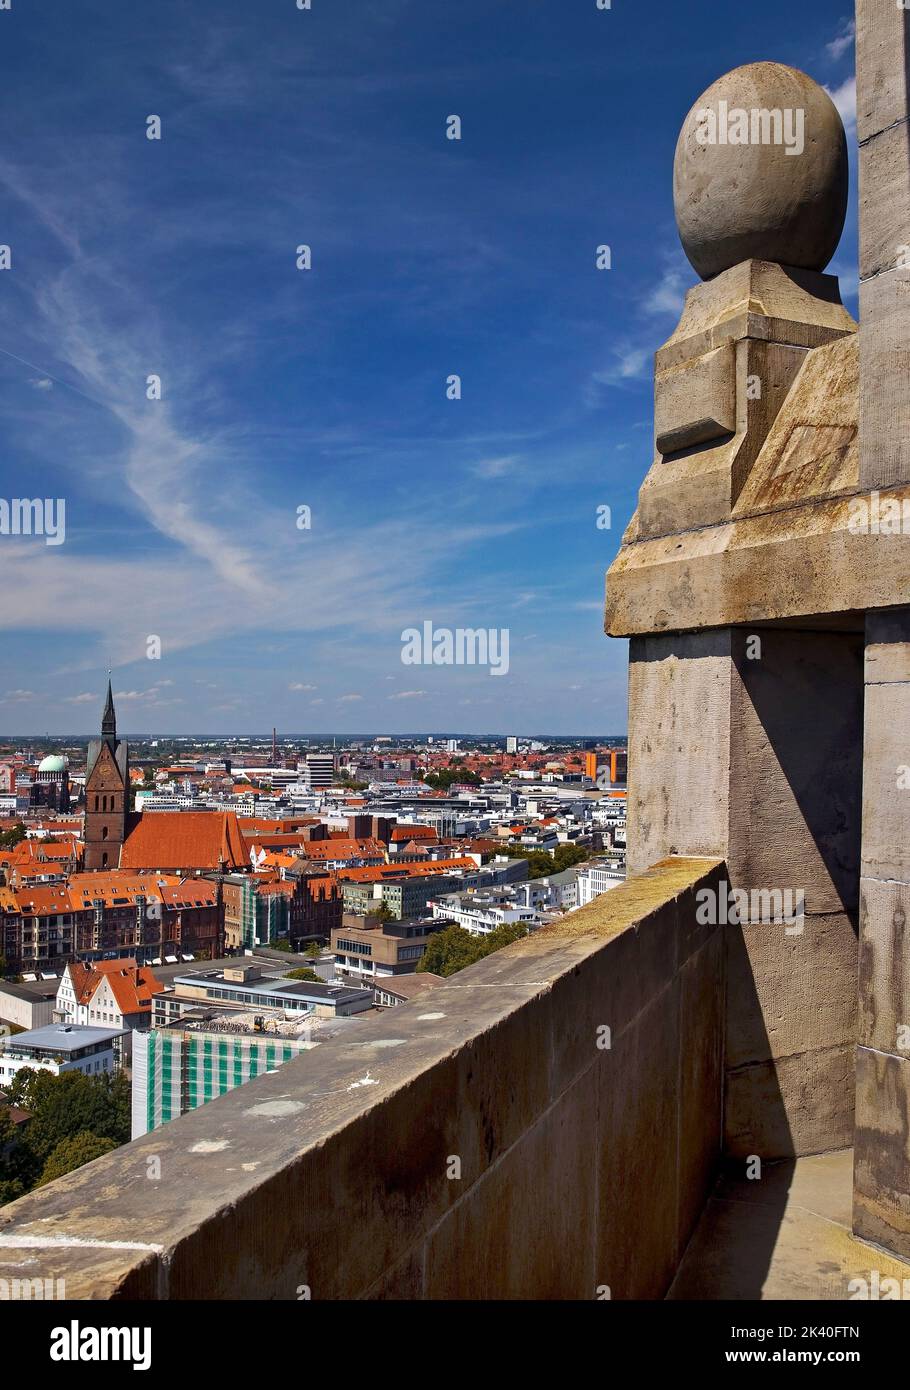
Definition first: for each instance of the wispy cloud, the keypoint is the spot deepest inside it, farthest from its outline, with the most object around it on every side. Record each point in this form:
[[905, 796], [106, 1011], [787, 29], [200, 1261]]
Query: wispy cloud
[[844, 98], [500, 467], [843, 40]]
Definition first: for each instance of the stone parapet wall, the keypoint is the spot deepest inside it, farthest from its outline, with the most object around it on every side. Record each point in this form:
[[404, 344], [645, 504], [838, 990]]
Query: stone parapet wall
[[483, 1144]]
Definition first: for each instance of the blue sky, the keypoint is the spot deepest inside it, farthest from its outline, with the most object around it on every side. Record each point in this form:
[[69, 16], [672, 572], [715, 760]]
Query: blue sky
[[327, 388]]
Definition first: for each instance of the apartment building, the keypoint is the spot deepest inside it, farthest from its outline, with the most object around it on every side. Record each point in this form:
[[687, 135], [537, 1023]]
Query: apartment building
[[365, 946], [180, 1067], [482, 913], [91, 916], [596, 879], [117, 993], [62, 1047]]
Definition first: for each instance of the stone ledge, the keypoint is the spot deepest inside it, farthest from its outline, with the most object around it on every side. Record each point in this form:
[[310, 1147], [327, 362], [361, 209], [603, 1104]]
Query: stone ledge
[[332, 1173]]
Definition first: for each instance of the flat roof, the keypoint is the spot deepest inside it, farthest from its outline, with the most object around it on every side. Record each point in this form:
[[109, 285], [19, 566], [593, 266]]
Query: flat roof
[[64, 1037]]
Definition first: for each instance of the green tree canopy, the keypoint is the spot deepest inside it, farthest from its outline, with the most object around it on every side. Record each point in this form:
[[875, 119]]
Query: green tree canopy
[[71, 1153], [63, 1106], [10, 838], [451, 949], [304, 973]]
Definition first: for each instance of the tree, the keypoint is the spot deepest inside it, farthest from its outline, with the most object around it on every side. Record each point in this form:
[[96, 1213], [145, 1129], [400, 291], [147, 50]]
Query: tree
[[453, 948], [444, 778], [280, 943], [382, 912], [304, 973], [9, 839], [71, 1153], [17, 1164], [63, 1106], [541, 864], [312, 950]]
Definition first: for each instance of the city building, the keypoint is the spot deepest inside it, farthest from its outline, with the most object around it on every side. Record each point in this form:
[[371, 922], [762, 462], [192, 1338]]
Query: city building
[[180, 1067], [50, 786], [107, 784], [27, 1005], [390, 991], [319, 770], [595, 879], [368, 946], [61, 1047], [481, 913], [247, 986], [117, 993], [92, 915], [302, 906]]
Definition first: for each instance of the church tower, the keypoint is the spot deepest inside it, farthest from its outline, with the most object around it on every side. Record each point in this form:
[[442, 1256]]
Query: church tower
[[107, 785]]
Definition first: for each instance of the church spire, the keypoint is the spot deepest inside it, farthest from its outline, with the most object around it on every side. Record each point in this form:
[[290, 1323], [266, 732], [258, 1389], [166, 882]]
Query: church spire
[[109, 718]]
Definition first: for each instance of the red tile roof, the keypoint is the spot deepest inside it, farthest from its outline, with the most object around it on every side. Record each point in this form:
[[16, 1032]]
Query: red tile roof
[[131, 985], [414, 832], [185, 840]]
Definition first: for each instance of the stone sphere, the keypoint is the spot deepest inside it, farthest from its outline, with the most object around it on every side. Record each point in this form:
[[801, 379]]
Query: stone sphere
[[761, 172]]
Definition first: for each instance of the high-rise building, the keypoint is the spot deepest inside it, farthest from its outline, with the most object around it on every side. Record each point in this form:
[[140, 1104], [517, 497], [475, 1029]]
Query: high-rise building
[[511, 744], [319, 771]]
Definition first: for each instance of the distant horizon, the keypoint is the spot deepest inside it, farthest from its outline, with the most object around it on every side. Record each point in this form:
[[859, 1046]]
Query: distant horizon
[[266, 736]]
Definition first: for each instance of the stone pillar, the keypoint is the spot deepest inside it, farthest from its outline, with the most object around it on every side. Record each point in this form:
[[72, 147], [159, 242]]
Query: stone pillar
[[881, 1210], [881, 1201], [882, 103], [742, 589], [746, 744]]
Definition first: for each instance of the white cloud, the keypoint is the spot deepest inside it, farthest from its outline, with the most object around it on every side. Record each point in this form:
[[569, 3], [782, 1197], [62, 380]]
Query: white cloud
[[298, 685], [12, 695], [496, 467], [842, 40], [669, 294], [407, 695], [345, 698], [844, 98], [83, 699], [41, 383]]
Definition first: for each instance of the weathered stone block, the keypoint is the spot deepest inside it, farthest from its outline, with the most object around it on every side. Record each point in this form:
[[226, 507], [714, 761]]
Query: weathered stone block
[[526, 1230], [638, 1168], [696, 401], [884, 966], [882, 65], [796, 778], [881, 1165], [795, 1105], [790, 993], [884, 201], [679, 741], [884, 402], [701, 1065], [886, 782]]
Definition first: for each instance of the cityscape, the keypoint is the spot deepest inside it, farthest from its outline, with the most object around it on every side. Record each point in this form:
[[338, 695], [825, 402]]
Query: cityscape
[[165, 893], [454, 675]]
